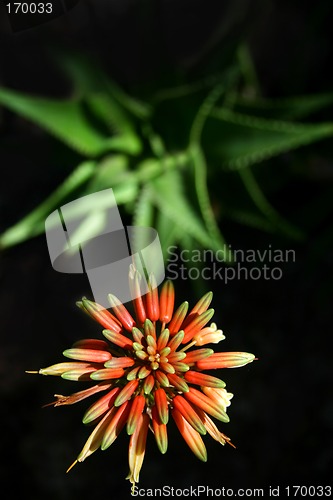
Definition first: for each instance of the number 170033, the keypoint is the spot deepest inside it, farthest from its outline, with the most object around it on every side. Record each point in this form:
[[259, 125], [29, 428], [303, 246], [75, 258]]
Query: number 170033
[[29, 8]]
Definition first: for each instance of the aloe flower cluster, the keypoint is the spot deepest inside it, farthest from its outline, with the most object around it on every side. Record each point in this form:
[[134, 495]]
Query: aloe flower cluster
[[150, 367]]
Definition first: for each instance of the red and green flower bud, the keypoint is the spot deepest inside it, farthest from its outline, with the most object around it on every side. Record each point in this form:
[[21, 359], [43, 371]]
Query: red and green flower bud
[[167, 301], [178, 318], [190, 435], [126, 392], [162, 407], [188, 412], [160, 431], [116, 424], [101, 406], [197, 378], [91, 355], [137, 408], [225, 360], [121, 312], [151, 300], [206, 404], [118, 339], [196, 325], [107, 373], [197, 355], [100, 314]]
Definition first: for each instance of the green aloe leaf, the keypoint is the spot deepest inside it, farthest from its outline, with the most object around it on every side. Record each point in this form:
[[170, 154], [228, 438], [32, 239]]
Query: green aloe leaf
[[143, 217], [168, 196], [106, 100], [247, 218], [88, 78], [169, 233], [144, 210], [291, 108], [112, 170], [259, 199], [33, 224], [237, 141], [200, 175], [65, 119], [117, 121]]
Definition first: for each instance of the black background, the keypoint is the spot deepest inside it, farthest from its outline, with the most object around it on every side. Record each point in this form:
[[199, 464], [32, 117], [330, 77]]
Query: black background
[[281, 415]]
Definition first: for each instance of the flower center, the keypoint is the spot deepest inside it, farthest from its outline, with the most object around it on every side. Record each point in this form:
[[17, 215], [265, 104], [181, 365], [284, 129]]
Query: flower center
[[154, 361], [151, 355]]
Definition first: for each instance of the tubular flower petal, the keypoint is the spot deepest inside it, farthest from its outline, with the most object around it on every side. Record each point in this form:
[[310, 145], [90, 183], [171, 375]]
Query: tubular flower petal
[[120, 362], [100, 345], [167, 302], [161, 403], [213, 430], [143, 372], [176, 356], [137, 448], [137, 336], [198, 378], [149, 329], [138, 303], [200, 307], [148, 384], [127, 392], [178, 382], [220, 396], [160, 431], [115, 425], [209, 335], [196, 325], [176, 341], [225, 360], [93, 355], [121, 312], [198, 355], [80, 373], [100, 314], [80, 395], [95, 439], [118, 339], [185, 408], [107, 374], [190, 435], [60, 368], [101, 406], [161, 379], [137, 408], [178, 318], [205, 403], [132, 374], [152, 303], [163, 339], [148, 367]]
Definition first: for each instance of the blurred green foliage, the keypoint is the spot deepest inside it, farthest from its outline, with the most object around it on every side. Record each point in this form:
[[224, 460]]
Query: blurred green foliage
[[161, 154]]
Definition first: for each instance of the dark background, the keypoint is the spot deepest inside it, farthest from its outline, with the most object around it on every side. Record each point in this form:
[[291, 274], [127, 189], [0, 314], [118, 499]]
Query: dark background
[[281, 415]]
